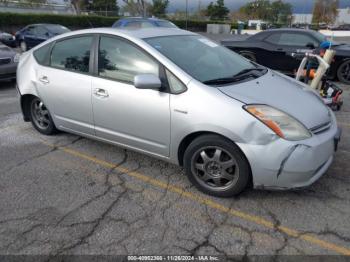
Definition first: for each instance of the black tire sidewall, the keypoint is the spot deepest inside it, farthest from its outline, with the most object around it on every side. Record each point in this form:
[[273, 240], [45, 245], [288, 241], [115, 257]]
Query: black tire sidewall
[[50, 130], [216, 140], [339, 75]]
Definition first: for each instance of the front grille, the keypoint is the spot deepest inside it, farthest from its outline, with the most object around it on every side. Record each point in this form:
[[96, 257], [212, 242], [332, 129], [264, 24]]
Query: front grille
[[321, 128], [5, 61]]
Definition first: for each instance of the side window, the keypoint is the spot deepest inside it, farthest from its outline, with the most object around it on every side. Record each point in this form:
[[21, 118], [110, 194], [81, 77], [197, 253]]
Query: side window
[[274, 39], [41, 31], [296, 40], [41, 54], [176, 86], [72, 54], [122, 61], [30, 30]]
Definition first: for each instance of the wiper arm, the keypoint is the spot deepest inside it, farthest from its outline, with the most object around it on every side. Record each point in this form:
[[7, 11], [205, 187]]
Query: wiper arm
[[245, 73], [250, 71]]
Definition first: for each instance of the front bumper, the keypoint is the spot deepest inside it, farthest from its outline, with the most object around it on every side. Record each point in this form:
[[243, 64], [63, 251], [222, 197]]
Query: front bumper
[[8, 71], [285, 165]]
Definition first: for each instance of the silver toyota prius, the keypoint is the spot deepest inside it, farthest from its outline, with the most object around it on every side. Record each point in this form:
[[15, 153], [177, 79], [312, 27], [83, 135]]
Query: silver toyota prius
[[180, 97]]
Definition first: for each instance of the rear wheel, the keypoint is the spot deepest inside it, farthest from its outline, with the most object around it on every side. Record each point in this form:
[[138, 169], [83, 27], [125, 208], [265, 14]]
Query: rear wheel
[[343, 72], [249, 55], [216, 166], [41, 118]]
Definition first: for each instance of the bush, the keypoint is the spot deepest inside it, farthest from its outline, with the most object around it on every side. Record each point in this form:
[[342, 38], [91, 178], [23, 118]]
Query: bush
[[15, 20], [72, 21]]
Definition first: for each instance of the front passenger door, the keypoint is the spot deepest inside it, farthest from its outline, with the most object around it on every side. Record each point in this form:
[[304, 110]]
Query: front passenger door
[[138, 118]]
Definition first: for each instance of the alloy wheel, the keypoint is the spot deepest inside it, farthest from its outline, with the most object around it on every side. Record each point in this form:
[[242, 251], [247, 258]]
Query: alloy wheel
[[40, 114], [215, 168]]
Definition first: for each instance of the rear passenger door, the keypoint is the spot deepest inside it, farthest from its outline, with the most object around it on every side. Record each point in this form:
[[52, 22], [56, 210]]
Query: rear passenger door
[[64, 84]]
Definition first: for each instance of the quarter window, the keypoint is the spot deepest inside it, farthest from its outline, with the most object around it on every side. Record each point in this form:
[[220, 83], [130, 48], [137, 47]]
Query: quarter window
[[72, 54], [176, 86], [41, 54], [122, 61]]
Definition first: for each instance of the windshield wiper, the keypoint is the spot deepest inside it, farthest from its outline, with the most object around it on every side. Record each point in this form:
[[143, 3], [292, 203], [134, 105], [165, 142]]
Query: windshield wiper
[[220, 81], [250, 71], [244, 74]]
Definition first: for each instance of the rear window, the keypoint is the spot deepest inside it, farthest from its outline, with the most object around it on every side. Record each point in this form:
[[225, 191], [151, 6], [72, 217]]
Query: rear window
[[166, 24]]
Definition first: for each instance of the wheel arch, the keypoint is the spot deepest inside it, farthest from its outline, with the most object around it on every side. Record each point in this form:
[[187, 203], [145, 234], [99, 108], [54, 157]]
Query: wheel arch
[[25, 106]]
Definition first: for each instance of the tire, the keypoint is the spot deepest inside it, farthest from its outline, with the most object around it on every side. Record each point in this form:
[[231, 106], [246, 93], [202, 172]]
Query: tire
[[343, 72], [23, 46], [222, 170], [249, 55], [41, 118]]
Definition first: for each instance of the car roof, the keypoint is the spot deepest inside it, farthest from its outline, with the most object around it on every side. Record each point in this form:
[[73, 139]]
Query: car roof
[[139, 33], [141, 19], [267, 32]]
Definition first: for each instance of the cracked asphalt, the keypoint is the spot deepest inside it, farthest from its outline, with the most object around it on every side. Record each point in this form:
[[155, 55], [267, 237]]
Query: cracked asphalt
[[65, 194]]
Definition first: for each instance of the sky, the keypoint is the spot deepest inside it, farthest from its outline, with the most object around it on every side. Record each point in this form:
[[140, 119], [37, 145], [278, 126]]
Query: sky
[[299, 6]]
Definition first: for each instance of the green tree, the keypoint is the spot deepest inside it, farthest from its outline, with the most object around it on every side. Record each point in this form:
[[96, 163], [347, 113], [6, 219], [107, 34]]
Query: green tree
[[274, 12], [110, 7], [158, 7], [136, 7], [280, 12], [217, 11], [325, 11]]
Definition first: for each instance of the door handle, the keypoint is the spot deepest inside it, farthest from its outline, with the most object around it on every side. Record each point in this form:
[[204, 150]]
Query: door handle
[[44, 80], [101, 92]]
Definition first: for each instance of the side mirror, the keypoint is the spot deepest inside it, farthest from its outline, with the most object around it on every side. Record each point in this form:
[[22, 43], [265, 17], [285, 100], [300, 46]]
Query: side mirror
[[147, 81], [310, 45]]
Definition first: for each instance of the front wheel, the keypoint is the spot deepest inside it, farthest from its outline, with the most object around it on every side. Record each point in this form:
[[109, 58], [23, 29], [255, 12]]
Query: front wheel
[[343, 72], [41, 118], [216, 166]]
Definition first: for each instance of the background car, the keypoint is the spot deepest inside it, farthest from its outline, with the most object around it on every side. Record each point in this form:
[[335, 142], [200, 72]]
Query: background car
[[273, 48], [139, 22], [345, 27], [7, 39], [8, 63], [33, 35]]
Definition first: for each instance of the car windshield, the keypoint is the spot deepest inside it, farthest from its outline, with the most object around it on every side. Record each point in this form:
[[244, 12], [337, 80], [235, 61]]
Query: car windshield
[[166, 24], [57, 29], [201, 58]]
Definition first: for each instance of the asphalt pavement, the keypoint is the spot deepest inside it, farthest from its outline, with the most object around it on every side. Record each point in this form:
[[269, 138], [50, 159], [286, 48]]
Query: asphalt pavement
[[65, 194]]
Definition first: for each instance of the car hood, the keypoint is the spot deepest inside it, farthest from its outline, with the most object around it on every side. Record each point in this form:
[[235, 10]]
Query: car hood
[[283, 93]]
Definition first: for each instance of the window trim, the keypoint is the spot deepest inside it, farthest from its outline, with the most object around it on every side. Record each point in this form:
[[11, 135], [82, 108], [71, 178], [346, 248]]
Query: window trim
[[72, 37]]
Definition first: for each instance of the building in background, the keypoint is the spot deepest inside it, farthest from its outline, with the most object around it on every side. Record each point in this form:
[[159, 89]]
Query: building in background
[[306, 19], [51, 7]]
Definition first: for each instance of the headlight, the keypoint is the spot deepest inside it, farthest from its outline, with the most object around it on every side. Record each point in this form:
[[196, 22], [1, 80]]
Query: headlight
[[16, 58], [281, 123]]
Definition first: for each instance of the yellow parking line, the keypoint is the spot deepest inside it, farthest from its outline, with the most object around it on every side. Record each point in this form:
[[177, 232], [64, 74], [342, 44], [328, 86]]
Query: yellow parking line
[[210, 203]]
